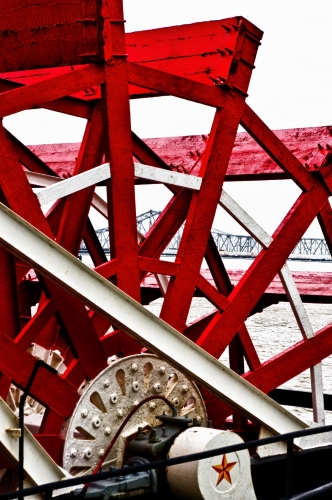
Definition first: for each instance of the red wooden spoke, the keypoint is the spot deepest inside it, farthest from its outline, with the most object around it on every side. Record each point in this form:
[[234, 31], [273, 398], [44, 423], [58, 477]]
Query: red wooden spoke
[[69, 105], [77, 206], [325, 220], [120, 191], [21, 199], [38, 322], [53, 88], [260, 274], [93, 245], [201, 213], [45, 385], [9, 308]]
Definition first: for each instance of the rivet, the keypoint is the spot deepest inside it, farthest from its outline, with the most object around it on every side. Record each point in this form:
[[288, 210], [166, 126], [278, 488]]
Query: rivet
[[87, 453], [73, 453], [120, 413], [107, 383], [96, 422], [101, 453], [136, 402], [226, 28], [135, 386], [157, 387], [162, 370], [134, 367], [107, 431], [152, 405], [184, 388], [114, 397], [84, 413]]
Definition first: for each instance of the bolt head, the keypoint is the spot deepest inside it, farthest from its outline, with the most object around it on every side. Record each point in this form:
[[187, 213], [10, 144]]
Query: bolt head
[[96, 422], [135, 403], [175, 401], [120, 413], [107, 383], [135, 386], [114, 398], [87, 453], [73, 453], [152, 405], [184, 388], [134, 367], [162, 370], [107, 431], [101, 453], [84, 413], [157, 388]]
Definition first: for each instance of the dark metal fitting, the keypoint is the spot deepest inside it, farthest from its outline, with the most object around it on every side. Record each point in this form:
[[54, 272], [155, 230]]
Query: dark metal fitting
[[226, 28], [328, 147], [175, 411], [230, 51], [154, 437], [320, 147], [140, 436], [209, 424], [214, 80], [222, 78], [198, 153], [192, 154], [221, 52], [205, 137], [236, 27], [164, 431], [119, 478]]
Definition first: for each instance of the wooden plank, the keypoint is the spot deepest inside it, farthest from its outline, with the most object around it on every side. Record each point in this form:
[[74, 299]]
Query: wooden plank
[[45, 33]]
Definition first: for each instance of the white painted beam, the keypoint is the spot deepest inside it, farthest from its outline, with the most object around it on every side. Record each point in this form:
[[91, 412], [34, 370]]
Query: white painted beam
[[65, 187], [167, 177], [41, 180], [53, 261], [73, 184], [38, 465]]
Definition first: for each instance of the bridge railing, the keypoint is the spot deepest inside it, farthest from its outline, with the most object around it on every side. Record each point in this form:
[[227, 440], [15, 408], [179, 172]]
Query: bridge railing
[[229, 245]]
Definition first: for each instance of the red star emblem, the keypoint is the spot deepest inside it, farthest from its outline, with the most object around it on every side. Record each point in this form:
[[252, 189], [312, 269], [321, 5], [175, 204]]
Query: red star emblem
[[224, 470]]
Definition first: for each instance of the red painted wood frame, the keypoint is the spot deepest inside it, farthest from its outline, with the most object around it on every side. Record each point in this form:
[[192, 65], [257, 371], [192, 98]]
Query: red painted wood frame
[[213, 68]]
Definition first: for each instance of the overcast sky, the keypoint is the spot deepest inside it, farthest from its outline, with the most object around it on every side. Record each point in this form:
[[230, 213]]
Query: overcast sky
[[290, 88]]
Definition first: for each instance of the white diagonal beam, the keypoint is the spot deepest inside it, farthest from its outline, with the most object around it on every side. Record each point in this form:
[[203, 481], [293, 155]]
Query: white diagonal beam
[[30, 245], [301, 316], [103, 172], [38, 465], [73, 184]]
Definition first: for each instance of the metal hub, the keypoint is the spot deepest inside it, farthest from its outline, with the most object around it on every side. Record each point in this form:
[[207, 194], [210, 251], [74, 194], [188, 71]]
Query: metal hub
[[109, 398]]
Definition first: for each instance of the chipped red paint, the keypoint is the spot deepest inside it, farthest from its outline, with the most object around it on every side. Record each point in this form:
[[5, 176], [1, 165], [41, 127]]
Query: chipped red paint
[[96, 70]]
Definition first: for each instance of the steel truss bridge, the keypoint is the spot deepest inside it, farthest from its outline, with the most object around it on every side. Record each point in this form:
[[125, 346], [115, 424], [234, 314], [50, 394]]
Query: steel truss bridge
[[229, 245]]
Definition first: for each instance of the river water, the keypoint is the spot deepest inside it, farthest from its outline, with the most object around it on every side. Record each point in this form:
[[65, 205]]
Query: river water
[[272, 331]]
